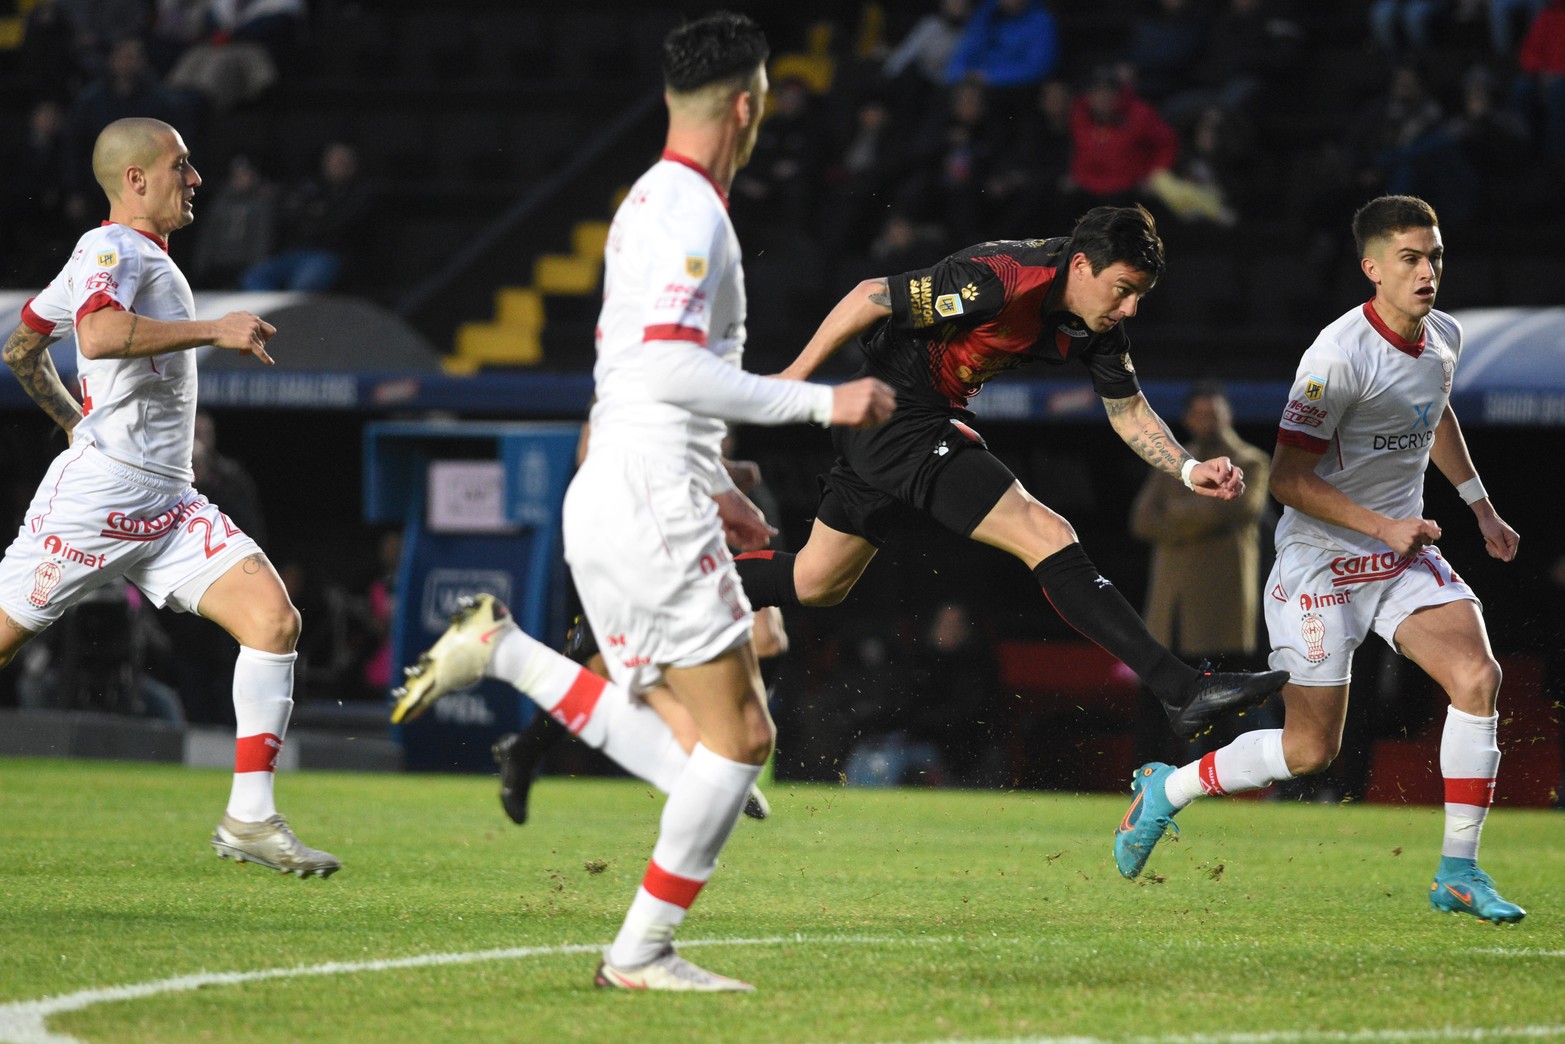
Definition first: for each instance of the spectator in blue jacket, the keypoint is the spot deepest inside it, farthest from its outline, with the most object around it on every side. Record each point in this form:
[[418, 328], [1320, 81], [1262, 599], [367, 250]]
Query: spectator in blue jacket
[[1006, 44]]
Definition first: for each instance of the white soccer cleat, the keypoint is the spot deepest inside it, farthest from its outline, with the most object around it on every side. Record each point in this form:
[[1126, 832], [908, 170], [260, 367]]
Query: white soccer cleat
[[755, 804], [667, 971], [457, 660], [271, 843]]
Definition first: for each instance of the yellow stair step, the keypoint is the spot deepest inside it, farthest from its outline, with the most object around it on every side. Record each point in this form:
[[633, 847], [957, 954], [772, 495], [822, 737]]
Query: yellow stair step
[[484, 343], [566, 274], [588, 238]]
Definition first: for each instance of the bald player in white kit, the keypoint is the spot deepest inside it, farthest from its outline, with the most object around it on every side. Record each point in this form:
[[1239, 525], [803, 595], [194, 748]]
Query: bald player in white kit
[[646, 514], [118, 502], [1369, 409]]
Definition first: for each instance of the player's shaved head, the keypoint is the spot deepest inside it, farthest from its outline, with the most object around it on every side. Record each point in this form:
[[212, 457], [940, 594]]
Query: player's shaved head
[[133, 142]]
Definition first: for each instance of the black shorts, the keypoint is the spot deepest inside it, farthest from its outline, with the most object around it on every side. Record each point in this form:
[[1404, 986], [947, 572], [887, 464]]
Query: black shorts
[[922, 462]]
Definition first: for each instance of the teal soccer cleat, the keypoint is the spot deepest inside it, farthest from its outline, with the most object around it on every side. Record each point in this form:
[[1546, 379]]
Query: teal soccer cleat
[[1147, 818], [1460, 887]]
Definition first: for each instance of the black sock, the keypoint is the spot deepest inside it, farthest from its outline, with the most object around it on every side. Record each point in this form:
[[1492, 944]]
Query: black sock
[[767, 577], [1092, 605]]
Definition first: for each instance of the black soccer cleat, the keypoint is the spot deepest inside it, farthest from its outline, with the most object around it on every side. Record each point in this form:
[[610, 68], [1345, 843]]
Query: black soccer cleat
[[518, 754], [1214, 694]]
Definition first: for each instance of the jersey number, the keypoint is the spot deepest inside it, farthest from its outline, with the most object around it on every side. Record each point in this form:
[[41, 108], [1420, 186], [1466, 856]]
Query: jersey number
[[229, 529]]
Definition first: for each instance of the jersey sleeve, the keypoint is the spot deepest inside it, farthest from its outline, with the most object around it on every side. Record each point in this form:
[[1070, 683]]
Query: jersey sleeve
[[1109, 366], [686, 256], [1324, 388], [107, 276], [956, 292]]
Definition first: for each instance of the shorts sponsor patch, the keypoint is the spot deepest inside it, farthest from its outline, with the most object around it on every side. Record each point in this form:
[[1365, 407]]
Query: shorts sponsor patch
[[1314, 388]]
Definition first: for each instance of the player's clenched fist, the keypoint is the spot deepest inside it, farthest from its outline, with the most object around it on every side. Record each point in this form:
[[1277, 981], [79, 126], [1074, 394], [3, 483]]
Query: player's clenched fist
[[244, 332], [863, 403]]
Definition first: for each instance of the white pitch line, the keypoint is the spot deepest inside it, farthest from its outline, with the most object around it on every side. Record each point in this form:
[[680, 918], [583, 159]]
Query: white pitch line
[[25, 1022], [1367, 1036]]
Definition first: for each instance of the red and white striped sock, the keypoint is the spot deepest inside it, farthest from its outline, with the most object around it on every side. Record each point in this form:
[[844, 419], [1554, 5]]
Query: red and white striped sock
[[601, 714], [1470, 762], [263, 701], [697, 818], [1252, 761]]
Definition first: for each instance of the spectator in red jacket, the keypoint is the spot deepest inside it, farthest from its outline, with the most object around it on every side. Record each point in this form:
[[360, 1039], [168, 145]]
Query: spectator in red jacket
[[1118, 141], [1542, 59]]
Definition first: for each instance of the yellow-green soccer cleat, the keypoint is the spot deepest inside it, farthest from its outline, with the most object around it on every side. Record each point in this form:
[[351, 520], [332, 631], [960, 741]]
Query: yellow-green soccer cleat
[[457, 660], [667, 971], [271, 843], [1460, 887]]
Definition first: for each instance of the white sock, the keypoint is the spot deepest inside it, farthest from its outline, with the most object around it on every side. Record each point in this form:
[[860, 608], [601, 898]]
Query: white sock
[[263, 700], [1252, 761], [1469, 761], [601, 714], [697, 818]]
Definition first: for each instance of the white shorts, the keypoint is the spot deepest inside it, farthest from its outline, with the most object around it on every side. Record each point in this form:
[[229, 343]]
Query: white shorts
[[95, 520], [655, 578], [1321, 605]]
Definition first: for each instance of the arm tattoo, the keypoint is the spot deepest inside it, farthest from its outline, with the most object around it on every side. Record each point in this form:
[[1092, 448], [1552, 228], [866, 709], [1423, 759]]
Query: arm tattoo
[[1151, 441], [130, 334], [881, 294], [26, 354]]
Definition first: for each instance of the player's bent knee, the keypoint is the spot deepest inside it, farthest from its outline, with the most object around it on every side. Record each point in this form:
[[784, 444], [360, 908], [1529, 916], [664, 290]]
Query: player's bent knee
[[1312, 759]]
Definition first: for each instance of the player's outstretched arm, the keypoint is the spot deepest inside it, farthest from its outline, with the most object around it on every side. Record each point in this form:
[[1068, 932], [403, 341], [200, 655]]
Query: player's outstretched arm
[[27, 354], [1451, 456], [1295, 484], [110, 333], [1139, 426], [863, 307]]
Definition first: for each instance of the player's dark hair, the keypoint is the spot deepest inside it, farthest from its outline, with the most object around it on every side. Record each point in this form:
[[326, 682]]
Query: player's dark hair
[[1108, 235], [1385, 216], [718, 47]]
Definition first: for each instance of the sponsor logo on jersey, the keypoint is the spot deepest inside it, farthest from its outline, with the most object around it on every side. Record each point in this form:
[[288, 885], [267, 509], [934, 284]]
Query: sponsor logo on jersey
[[45, 579], [1302, 413], [1307, 602], [918, 295], [102, 281], [1412, 440], [1072, 331], [53, 545], [108, 259], [970, 292], [637, 661], [695, 266], [1313, 630], [948, 305], [121, 526], [1314, 388], [1363, 569], [1124, 360], [1447, 372]]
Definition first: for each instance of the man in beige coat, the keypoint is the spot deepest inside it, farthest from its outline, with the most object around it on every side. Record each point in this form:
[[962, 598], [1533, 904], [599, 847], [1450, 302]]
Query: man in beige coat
[[1203, 594]]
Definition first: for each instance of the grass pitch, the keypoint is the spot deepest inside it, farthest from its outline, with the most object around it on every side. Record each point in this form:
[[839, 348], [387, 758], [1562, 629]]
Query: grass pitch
[[861, 915]]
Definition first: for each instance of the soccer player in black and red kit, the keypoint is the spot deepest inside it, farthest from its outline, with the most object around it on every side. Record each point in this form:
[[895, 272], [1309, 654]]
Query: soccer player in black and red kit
[[936, 335]]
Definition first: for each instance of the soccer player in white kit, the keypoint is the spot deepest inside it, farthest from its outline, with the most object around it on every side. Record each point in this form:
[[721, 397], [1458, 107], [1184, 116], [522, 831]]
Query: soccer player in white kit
[[646, 514], [118, 502], [1369, 410]]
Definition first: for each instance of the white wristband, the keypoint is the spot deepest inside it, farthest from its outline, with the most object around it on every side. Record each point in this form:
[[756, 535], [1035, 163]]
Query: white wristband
[[1189, 466], [1472, 490]]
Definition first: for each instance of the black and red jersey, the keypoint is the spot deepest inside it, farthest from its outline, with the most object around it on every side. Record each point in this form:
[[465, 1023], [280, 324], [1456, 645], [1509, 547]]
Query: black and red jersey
[[985, 310]]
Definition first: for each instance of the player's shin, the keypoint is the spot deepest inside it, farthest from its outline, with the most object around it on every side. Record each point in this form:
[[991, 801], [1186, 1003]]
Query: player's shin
[[263, 701], [701, 811], [600, 713], [1470, 762]]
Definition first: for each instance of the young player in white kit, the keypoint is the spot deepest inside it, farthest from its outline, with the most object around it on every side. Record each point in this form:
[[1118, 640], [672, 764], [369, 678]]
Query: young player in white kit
[[646, 514], [1368, 411], [118, 502]]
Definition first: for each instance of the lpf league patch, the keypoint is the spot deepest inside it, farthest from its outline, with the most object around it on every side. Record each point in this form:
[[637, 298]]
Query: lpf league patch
[[1314, 388], [1124, 360], [695, 266], [108, 259], [948, 305]]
